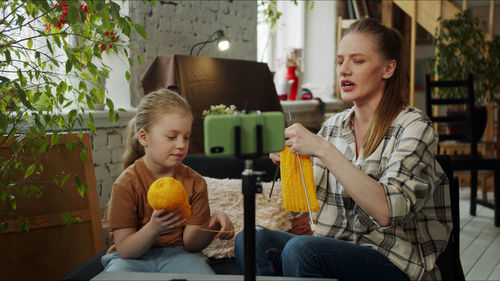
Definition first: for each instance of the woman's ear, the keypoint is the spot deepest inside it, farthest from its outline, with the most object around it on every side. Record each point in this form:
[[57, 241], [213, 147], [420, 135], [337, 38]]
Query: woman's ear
[[142, 137], [389, 68]]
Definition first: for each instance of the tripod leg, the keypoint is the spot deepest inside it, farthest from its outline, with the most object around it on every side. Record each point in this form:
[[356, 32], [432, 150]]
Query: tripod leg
[[250, 187]]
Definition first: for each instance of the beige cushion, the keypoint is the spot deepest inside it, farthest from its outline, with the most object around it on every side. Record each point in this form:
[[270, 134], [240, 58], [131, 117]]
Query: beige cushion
[[226, 195]]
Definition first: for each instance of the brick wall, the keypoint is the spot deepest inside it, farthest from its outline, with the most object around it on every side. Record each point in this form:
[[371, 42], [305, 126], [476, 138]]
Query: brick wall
[[173, 27], [108, 146]]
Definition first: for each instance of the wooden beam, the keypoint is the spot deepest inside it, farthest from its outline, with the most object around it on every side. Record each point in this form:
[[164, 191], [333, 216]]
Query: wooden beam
[[491, 20], [387, 17], [429, 12], [342, 24], [489, 134], [413, 40]]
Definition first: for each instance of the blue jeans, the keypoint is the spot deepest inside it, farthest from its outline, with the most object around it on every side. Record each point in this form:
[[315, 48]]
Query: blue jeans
[[281, 253], [164, 260]]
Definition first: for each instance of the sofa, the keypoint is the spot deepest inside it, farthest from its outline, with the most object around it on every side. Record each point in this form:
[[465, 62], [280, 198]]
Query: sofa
[[212, 168], [221, 168]]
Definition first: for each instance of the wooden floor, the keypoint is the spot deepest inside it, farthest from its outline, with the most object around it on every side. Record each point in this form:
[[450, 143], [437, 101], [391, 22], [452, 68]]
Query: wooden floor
[[479, 241]]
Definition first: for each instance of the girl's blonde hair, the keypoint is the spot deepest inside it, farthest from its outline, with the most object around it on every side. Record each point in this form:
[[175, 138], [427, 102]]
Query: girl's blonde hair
[[389, 45], [150, 109]]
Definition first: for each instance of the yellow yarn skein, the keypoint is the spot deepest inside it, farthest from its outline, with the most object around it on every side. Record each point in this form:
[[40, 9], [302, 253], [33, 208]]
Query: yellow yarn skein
[[169, 194], [294, 198]]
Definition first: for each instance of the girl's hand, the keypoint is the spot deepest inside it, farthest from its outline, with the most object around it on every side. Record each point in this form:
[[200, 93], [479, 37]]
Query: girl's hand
[[222, 221], [275, 157], [302, 141], [162, 220]]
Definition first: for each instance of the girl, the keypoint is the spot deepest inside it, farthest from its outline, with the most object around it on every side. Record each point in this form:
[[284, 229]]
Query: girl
[[384, 200], [155, 240]]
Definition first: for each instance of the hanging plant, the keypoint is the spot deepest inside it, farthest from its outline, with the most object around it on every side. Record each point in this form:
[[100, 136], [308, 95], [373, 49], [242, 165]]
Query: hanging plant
[[269, 10]]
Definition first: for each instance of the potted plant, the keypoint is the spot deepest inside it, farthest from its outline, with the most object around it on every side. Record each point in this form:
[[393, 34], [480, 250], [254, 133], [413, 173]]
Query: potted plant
[[51, 55], [461, 48]]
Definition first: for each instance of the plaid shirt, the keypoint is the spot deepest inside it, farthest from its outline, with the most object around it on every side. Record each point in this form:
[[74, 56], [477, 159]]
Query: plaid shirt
[[416, 190]]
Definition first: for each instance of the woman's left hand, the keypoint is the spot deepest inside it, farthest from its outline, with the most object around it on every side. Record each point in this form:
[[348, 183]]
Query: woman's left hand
[[302, 141], [226, 230]]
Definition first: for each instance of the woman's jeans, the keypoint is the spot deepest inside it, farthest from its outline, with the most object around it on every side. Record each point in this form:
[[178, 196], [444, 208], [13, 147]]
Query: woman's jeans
[[165, 260], [281, 253]]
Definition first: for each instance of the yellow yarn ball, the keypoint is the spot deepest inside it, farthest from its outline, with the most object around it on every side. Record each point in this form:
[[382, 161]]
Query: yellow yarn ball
[[167, 193]]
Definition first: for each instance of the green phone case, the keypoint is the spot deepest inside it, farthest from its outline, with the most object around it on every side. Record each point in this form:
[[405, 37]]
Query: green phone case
[[219, 133]]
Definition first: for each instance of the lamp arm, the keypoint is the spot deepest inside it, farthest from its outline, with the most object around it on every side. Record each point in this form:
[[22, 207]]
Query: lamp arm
[[209, 40], [204, 44]]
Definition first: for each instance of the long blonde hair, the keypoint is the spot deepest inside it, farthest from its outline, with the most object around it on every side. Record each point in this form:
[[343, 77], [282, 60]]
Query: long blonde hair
[[151, 107], [390, 46]]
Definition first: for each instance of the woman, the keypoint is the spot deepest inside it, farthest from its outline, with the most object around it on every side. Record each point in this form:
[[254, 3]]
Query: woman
[[384, 203]]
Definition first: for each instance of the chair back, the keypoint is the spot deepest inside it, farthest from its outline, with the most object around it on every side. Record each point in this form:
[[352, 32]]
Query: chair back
[[467, 117], [449, 261], [50, 249]]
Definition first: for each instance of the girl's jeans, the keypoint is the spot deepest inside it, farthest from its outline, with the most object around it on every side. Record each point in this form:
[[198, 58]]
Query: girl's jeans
[[281, 253], [164, 260]]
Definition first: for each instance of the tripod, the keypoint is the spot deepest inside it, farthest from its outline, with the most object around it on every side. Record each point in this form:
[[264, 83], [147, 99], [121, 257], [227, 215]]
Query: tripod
[[250, 186]]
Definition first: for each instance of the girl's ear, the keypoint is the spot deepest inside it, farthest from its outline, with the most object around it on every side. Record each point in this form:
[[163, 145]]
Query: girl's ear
[[142, 137], [389, 68]]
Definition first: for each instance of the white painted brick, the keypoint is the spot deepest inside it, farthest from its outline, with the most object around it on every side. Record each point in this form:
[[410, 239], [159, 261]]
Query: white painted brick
[[101, 155], [105, 187], [205, 17], [206, 30], [165, 24], [114, 140], [102, 203], [124, 134], [214, 6], [191, 22], [117, 155], [99, 140], [114, 170], [101, 172]]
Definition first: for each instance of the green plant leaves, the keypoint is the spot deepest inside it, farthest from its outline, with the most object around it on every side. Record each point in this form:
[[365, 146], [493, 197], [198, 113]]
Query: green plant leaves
[[31, 169], [141, 31], [51, 75], [462, 48], [4, 122], [66, 218]]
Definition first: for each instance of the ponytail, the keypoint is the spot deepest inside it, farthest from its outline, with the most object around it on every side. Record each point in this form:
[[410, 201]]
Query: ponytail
[[134, 149]]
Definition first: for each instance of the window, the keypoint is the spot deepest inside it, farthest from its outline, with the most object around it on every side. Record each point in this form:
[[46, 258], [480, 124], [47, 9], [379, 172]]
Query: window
[[306, 28]]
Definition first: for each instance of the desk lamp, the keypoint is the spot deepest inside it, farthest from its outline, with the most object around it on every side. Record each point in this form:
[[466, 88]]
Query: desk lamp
[[222, 43]]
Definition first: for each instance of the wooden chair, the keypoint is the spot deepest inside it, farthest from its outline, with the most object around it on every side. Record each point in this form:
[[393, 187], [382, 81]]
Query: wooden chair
[[449, 261], [50, 249], [465, 117]]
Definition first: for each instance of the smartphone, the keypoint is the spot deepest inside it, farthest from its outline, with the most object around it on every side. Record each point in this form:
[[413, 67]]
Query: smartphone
[[244, 134]]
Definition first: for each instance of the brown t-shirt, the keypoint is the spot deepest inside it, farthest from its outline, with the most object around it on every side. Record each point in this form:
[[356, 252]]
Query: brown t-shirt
[[129, 207]]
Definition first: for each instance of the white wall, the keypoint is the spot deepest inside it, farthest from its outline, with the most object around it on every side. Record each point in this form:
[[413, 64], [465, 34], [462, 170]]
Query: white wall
[[118, 87], [174, 26], [320, 47], [313, 31]]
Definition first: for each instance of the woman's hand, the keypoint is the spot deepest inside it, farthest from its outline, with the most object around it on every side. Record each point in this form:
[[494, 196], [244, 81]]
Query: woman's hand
[[162, 220], [221, 221], [302, 141]]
